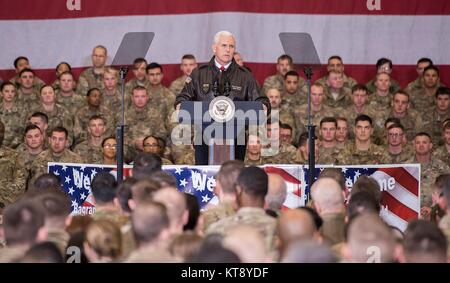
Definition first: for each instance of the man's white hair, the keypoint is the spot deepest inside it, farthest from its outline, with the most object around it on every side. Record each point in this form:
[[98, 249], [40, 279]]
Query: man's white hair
[[222, 33]]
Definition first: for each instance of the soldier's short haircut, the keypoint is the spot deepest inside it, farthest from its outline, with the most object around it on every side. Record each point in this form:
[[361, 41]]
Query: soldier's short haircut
[[60, 129], [362, 202], [90, 91], [6, 83], [188, 57], [139, 60], [30, 127], [394, 120], [328, 120], [228, 174], [382, 73], [317, 84], [154, 65], [46, 181], [66, 73], [424, 242], [124, 193], [16, 61], [22, 221], [164, 179], [367, 184], [96, 117], [111, 70], [44, 86], [138, 87], [145, 164], [383, 61], [285, 57], [148, 220], [40, 115], [291, 73], [431, 67], [64, 63], [253, 181], [161, 141], [359, 87], [423, 134], [285, 126], [101, 47], [334, 173], [334, 57], [43, 252], [339, 118], [363, 117], [107, 138], [144, 190], [26, 70], [424, 60], [318, 221], [104, 187], [54, 203], [303, 139], [396, 126], [443, 90]]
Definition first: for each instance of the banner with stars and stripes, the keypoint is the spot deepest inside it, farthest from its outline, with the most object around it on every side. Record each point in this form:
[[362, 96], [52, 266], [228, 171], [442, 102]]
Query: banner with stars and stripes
[[399, 185]]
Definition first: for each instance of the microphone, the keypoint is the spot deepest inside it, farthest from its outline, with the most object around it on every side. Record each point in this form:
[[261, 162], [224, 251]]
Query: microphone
[[216, 87], [227, 88]]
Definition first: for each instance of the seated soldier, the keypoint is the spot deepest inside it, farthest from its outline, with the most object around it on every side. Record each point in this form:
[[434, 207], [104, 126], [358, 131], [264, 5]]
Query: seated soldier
[[154, 144], [443, 152], [381, 97], [61, 68], [398, 152], [284, 65], [90, 149], [335, 63], [140, 76], [12, 114], [27, 95], [342, 132], [292, 95], [384, 65], [336, 94], [21, 63], [424, 98], [328, 149], [188, 63], [430, 169], [434, 118], [409, 118], [109, 146], [284, 115], [274, 151], [286, 134], [302, 155], [34, 145], [66, 95], [253, 152], [92, 76], [417, 84], [111, 92]]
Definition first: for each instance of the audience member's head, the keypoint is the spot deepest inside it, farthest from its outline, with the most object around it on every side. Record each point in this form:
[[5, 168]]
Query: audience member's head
[[327, 196], [185, 245], [104, 187], [367, 184], [45, 181], [164, 179], [103, 242], [145, 164], [150, 223], [246, 242], [252, 187], [44, 252], [308, 252], [175, 202]]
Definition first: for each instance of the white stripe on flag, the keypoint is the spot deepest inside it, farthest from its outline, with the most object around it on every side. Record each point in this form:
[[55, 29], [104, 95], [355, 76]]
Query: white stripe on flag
[[358, 39], [293, 201], [414, 171], [400, 193], [393, 220]]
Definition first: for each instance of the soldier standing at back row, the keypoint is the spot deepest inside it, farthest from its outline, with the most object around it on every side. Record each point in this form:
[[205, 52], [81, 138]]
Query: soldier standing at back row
[[92, 77], [284, 65], [12, 115], [336, 64], [384, 65]]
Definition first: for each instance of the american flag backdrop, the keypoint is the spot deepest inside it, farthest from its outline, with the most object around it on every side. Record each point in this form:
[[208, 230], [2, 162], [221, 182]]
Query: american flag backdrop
[[360, 31], [399, 184]]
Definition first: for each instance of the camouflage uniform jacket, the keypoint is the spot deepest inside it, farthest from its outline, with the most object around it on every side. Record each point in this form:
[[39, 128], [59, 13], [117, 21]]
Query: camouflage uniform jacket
[[14, 120], [378, 119], [12, 177], [423, 99], [291, 101], [402, 157], [89, 153], [432, 122], [40, 163], [443, 154], [27, 101], [217, 213], [252, 216], [144, 122], [82, 120], [327, 155], [87, 80], [72, 103], [349, 82], [412, 123], [428, 174], [343, 100], [25, 160], [177, 85], [301, 118], [380, 103], [392, 89], [352, 156], [37, 83]]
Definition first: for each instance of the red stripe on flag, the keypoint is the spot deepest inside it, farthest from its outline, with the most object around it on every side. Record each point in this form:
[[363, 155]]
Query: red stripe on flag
[[398, 208], [404, 178], [60, 9], [362, 73], [286, 176]]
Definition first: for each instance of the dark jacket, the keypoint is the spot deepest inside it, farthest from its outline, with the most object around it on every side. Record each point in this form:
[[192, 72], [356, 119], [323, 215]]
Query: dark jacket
[[206, 82]]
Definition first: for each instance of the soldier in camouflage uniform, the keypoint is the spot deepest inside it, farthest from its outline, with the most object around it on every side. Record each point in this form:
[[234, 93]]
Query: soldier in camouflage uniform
[[112, 94], [302, 155], [417, 84], [275, 151], [27, 95], [188, 63], [383, 65], [293, 96], [252, 187], [253, 152], [140, 76], [423, 99], [34, 145], [57, 114], [13, 177], [335, 64], [360, 99], [328, 150], [12, 116], [434, 118], [142, 120], [443, 152], [66, 95], [342, 132], [58, 152], [398, 153], [362, 150], [431, 168], [93, 107], [160, 97], [336, 94], [381, 98], [93, 76], [21, 63], [277, 113], [90, 150], [156, 145], [409, 118], [318, 111], [284, 65], [61, 68]]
